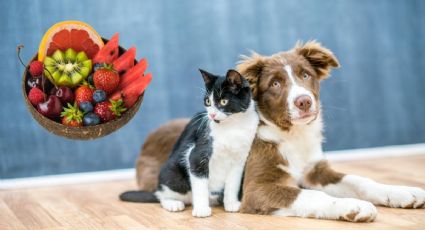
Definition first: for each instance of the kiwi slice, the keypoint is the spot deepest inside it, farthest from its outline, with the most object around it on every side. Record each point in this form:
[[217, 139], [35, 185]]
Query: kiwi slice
[[67, 68]]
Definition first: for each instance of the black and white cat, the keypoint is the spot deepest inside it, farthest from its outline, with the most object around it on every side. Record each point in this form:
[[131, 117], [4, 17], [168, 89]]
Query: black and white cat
[[207, 162]]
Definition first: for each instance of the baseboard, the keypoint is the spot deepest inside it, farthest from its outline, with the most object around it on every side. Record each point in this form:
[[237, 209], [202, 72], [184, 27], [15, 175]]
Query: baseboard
[[376, 152], [126, 174], [64, 179]]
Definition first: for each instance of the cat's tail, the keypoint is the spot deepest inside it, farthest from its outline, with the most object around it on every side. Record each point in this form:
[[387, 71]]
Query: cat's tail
[[139, 196]]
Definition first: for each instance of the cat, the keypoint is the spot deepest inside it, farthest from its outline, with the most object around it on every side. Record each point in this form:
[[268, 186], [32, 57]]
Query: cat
[[207, 162]]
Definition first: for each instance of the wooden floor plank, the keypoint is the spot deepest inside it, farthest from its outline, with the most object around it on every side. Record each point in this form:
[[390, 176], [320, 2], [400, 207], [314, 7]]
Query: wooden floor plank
[[96, 206]]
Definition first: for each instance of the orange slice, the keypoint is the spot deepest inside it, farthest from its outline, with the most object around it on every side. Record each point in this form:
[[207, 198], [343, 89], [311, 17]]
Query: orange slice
[[70, 34]]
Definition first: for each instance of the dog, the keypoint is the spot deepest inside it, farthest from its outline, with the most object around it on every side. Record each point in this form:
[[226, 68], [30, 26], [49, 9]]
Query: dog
[[286, 173]]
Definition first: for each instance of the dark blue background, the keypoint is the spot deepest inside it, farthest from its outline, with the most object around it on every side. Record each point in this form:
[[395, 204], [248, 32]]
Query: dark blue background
[[375, 99]]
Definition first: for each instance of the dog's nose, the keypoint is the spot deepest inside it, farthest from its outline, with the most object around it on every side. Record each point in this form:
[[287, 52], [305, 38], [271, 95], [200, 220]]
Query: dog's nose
[[303, 102]]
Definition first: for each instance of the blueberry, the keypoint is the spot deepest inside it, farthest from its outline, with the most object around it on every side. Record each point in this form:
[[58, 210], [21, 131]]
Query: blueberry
[[90, 79], [99, 96], [90, 119], [97, 66], [86, 106]]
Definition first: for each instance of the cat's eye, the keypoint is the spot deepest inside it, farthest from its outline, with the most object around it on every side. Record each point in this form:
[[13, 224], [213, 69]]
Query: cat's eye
[[224, 102], [276, 84], [207, 102], [306, 76]]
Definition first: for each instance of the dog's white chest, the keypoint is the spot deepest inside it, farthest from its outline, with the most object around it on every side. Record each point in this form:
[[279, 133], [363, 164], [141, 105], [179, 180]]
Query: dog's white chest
[[300, 147]]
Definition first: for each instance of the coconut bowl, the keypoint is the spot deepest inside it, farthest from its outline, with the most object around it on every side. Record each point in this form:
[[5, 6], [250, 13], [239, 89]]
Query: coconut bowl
[[84, 132]]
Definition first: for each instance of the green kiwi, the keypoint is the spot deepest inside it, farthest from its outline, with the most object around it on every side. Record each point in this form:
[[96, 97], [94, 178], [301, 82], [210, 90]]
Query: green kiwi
[[67, 68]]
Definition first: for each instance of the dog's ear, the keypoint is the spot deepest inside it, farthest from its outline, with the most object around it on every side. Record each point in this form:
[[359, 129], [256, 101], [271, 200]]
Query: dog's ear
[[319, 57], [251, 68]]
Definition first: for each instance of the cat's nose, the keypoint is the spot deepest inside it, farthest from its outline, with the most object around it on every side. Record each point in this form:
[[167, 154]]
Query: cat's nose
[[212, 115]]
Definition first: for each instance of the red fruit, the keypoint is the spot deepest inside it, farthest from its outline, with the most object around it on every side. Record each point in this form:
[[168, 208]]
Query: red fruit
[[72, 116], [83, 93], [104, 112], [132, 74], [109, 110], [131, 93], [106, 79], [64, 94], [36, 96], [109, 52], [51, 108], [125, 61], [72, 123], [36, 68]]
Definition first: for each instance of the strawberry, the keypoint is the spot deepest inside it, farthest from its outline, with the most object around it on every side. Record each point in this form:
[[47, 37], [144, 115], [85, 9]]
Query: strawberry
[[106, 79], [109, 110], [36, 68], [72, 116], [83, 93], [36, 96], [131, 93]]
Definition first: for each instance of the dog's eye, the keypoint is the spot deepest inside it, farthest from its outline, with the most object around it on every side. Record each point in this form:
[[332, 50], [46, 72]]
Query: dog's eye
[[306, 76], [276, 84], [207, 102], [224, 102]]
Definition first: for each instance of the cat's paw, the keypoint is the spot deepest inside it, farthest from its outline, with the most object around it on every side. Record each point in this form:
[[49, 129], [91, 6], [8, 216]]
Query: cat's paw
[[232, 206], [172, 205], [405, 197], [354, 210], [203, 211]]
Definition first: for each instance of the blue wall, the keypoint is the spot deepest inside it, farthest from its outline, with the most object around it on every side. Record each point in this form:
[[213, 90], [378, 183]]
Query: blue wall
[[375, 99]]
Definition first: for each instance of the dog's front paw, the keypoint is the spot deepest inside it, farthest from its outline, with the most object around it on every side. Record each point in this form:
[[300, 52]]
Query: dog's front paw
[[354, 210], [405, 197], [203, 211], [232, 206]]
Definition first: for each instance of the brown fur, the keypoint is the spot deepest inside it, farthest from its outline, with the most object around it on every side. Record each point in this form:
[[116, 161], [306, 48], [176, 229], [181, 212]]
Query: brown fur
[[322, 174], [266, 186], [155, 152]]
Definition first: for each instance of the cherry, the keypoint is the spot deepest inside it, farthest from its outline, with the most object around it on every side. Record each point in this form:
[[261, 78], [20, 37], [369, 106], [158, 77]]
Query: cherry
[[64, 94], [51, 108], [38, 82]]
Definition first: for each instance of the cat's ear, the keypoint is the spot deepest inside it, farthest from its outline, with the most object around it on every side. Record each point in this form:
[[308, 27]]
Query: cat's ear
[[235, 78], [208, 77]]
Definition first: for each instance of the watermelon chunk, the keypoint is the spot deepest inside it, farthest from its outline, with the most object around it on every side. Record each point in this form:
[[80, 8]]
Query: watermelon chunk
[[131, 93], [109, 52], [132, 74], [125, 61]]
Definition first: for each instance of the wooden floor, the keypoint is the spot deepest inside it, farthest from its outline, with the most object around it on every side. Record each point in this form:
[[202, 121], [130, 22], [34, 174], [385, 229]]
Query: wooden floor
[[96, 206]]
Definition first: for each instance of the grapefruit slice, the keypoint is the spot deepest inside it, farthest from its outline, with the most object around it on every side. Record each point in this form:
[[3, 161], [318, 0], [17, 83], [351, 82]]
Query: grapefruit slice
[[109, 52], [70, 34], [125, 61]]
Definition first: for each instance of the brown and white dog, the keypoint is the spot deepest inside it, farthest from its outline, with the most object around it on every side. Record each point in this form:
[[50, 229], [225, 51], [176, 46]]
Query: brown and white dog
[[286, 173]]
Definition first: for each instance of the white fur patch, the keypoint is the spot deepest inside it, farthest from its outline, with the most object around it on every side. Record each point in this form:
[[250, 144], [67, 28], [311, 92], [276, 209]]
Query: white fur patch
[[380, 194], [317, 204], [200, 196], [301, 146], [232, 140], [172, 201], [294, 92]]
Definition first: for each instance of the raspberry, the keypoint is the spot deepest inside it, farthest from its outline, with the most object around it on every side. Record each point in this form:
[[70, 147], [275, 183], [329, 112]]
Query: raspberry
[[36, 96], [36, 68]]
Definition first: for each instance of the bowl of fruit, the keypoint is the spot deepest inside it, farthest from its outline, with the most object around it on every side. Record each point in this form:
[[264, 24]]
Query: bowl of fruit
[[82, 86]]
